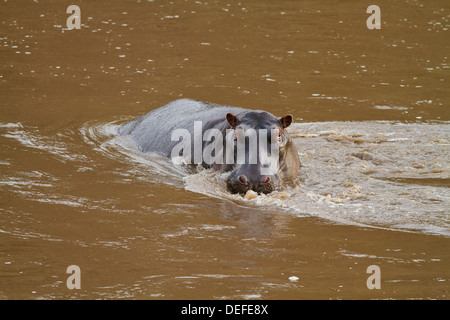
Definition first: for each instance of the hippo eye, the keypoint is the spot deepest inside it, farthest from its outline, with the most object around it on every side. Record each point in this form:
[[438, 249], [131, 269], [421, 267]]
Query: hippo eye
[[277, 134], [238, 132], [282, 138]]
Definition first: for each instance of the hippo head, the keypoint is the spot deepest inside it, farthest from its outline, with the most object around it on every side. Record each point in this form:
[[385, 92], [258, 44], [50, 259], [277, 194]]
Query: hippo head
[[258, 140]]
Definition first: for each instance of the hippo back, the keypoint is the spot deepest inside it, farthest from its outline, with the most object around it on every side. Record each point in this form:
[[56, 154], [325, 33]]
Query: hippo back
[[152, 131]]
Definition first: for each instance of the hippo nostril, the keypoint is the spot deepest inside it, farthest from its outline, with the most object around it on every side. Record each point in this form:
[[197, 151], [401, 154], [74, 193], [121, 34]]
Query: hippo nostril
[[266, 179], [243, 179]]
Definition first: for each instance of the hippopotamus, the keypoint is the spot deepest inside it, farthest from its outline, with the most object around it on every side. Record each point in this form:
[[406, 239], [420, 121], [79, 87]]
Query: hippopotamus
[[156, 132]]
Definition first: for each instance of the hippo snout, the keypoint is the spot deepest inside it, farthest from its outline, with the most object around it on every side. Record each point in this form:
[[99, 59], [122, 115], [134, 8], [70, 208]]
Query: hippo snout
[[260, 184]]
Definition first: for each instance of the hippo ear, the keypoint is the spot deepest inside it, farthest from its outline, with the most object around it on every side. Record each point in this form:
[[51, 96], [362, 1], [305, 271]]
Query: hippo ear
[[286, 121], [232, 120]]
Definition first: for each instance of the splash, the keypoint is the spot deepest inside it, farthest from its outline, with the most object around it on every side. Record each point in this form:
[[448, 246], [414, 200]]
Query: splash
[[373, 174]]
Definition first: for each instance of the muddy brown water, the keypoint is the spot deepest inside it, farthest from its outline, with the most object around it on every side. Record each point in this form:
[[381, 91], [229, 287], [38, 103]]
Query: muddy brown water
[[372, 128]]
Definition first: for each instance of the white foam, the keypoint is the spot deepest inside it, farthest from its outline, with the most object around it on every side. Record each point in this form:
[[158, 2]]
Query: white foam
[[350, 173]]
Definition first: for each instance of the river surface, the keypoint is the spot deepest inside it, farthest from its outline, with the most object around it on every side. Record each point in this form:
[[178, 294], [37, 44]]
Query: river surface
[[372, 128]]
